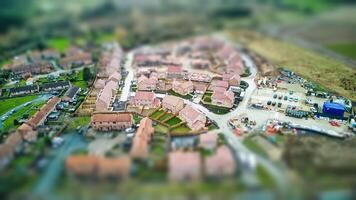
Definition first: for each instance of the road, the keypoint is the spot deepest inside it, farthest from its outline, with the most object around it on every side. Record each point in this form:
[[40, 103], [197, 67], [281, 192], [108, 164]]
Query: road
[[128, 81], [9, 113], [51, 175], [243, 154]]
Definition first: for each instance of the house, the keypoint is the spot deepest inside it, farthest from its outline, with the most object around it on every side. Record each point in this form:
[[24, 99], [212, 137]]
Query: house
[[70, 94], [200, 64], [172, 103], [90, 166], [40, 116], [231, 78], [51, 54], [218, 84], [116, 76], [223, 98], [174, 72], [118, 167], [33, 68], [99, 84], [81, 165], [139, 148], [182, 88], [27, 132], [23, 90], [59, 85], [198, 77], [6, 155], [234, 64], [142, 98], [75, 60], [144, 83], [208, 140], [194, 119], [142, 60], [184, 166], [200, 88], [222, 164], [108, 121], [35, 56], [105, 96]]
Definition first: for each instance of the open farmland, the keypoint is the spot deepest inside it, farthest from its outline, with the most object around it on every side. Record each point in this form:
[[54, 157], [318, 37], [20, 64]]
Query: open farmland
[[327, 72]]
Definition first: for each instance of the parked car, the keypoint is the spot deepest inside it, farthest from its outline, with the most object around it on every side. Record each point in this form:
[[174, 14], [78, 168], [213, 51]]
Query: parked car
[[273, 103], [269, 102], [279, 104], [285, 98], [275, 96]]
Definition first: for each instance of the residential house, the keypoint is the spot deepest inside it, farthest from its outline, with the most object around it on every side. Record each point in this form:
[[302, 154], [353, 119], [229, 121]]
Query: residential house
[[81, 165], [40, 116], [231, 78], [99, 84], [208, 140], [33, 68], [139, 148], [116, 76], [174, 72], [200, 88], [235, 64], [53, 86], [51, 54], [27, 132], [223, 98], [108, 121], [23, 90], [118, 167], [105, 96], [143, 98], [200, 64], [194, 119], [147, 60], [71, 94], [172, 103], [198, 77], [222, 164], [144, 83], [218, 84], [184, 166], [76, 60], [92, 166], [182, 88]]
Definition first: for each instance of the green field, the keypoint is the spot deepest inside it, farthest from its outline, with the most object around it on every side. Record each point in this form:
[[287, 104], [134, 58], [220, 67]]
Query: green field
[[161, 129], [348, 50], [8, 104], [156, 114], [327, 72], [78, 121], [173, 121], [253, 146], [165, 116], [58, 43], [181, 129]]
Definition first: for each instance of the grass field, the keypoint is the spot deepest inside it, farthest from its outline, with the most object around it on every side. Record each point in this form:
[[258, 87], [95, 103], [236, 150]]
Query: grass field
[[156, 114], [78, 121], [165, 116], [58, 43], [181, 129], [329, 73], [348, 50], [161, 129], [8, 104], [250, 144], [173, 121]]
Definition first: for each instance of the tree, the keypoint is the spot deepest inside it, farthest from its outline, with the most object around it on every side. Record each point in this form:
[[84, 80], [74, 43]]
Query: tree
[[87, 75]]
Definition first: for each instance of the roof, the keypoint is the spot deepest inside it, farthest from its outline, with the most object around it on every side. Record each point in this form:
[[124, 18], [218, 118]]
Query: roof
[[172, 100], [142, 95], [55, 84], [223, 95], [72, 91], [24, 88], [175, 69], [190, 113], [111, 117], [335, 106], [219, 83], [115, 76], [43, 112]]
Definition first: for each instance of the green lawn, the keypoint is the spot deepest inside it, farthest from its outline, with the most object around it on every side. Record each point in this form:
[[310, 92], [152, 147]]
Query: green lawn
[[188, 96], [181, 129], [30, 110], [212, 127], [348, 49], [161, 129], [78, 121], [59, 43], [156, 114], [173, 121], [8, 104], [137, 119], [165, 116], [217, 109]]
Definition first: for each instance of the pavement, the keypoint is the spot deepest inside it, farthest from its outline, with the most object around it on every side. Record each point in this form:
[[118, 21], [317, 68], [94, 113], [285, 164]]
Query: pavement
[[52, 173], [128, 81]]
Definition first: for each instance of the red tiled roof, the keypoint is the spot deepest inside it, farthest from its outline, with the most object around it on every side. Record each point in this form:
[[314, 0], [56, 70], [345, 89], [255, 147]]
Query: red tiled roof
[[111, 117]]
